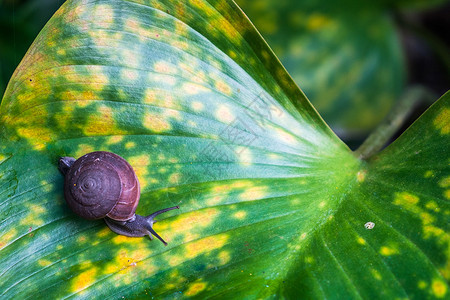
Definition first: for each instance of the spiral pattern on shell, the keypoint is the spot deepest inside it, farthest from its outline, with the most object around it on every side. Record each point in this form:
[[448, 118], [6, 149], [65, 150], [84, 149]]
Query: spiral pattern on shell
[[101, 184]]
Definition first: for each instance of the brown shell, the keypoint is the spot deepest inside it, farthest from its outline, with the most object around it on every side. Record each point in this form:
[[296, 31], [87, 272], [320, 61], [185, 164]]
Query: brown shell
[[101, 184]]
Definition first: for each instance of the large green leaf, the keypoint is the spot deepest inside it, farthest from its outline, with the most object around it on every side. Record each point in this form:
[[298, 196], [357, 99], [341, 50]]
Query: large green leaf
[[345, 55], [271, 202]]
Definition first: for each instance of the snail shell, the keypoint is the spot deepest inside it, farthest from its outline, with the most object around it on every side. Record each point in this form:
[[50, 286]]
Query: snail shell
[[102, 184]]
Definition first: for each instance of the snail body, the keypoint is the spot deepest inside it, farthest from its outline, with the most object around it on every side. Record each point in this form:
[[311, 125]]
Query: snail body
[[103, 185]]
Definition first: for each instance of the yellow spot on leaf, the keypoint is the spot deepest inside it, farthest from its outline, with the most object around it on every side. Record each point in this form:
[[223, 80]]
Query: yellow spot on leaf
[[388, 251], [214, 200], [205, 245], [83, 149], [224, 114], [240, 215], [361, 176], [284, 136], [322, 204], [175, 178], [195, 288], [173, 114], [245, 155], [228, 30], [426, 218], [47, 187], [103, 14], [34, 216], [431, 205], [74, 14], [132, 59], [132, 25], [194, 88], [317, 22], [38, 137], [101, 122], [361, 241], [429, 230], [422, 284], [376, 274], [104, 232], [129, 145], [222, 87], [180, 44], [433, 231], [136, 257], [445, 182], [176, 280], [84, 280], [165, 68], [428, 174], [221, 188], [254, 193], [97, 79], [188, 224], [129, 75], [85, 265], [120, 239], [161, 78], [155, 122], [439, 288], [405, 199], [232, 54], [115, 139], [175, 260], [442, 121], [8, 237], [44, 262], [197, 106], [224, 257]]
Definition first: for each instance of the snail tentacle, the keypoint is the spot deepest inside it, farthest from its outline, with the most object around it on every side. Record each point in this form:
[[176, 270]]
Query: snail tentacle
[[150, 221], [138, 226]]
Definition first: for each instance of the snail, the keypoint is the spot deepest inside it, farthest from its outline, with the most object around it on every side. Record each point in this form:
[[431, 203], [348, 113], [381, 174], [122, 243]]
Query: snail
[[103, 185]]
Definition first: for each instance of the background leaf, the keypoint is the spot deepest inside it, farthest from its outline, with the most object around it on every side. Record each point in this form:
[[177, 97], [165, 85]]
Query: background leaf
[[20, 22], [415, 4], [404, 191], [345, 56], [210, 121]]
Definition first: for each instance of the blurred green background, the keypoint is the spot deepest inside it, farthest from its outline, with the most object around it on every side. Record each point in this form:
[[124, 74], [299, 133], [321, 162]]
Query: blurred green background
[[353, 59], [20, 23]]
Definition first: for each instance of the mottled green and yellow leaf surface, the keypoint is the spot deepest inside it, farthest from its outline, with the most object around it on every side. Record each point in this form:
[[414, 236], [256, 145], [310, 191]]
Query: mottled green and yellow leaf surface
[[345, 55], [272, 203]]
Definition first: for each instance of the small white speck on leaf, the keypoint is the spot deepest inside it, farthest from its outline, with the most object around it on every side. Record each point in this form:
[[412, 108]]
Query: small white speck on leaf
[[369, 225]]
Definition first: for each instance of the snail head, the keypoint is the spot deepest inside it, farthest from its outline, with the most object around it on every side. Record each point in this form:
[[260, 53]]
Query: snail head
[[65, 163]]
